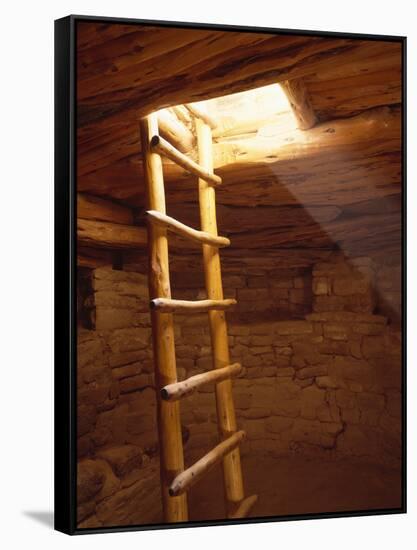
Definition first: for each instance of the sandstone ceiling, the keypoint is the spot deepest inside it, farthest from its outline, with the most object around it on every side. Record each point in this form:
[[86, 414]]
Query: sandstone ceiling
[[293, 194]]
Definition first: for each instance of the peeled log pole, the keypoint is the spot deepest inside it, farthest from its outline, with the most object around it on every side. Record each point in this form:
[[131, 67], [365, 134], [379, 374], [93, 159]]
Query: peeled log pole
[[189, 477], [166, 305], [168, 414], [198, 112], [244, 507], [161, 146], [297, 94], [172, 392], [110, 235], [186, 231], [175, 131], [226, 416], [182, 113]]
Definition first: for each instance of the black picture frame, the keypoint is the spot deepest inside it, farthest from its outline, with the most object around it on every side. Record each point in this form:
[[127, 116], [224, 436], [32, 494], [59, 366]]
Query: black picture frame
[[66, 271]]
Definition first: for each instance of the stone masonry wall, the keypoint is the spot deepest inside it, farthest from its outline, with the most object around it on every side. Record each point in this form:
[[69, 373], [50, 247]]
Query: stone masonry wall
[[117, 434], [118, 465], [321, 375], [359, 284], [259, 293], [388, 285]]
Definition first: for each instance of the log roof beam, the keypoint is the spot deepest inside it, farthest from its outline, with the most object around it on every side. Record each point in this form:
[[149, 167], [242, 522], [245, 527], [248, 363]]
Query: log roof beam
[[299, 98]]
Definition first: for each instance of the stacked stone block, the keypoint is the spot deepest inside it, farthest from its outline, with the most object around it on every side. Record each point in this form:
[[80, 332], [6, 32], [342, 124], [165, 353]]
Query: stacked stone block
[[117, 438], [325, 379]]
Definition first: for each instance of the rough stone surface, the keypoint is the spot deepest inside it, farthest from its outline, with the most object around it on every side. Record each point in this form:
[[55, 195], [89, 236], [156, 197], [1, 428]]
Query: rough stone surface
[[321, 374], [90, 480], [123, 459]]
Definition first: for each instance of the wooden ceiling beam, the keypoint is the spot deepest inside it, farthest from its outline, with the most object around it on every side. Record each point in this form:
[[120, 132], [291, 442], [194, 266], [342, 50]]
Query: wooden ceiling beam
[[93, 233], [313, 182], [95, 208], [110, 235], [275, 152], [175, 131], [198, 111], [264, 162], [183, 55], [92, 258], [369, 132], [218, 64], [182, 113], [298, 96]]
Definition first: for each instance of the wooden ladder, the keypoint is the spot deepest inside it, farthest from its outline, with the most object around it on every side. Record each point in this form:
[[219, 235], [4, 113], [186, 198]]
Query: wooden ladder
[[175, 479]]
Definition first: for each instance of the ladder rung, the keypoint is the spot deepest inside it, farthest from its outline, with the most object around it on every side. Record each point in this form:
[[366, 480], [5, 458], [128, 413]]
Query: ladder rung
[[244, 507], [167, 305], [196, 111], [163, 147], [175, 391], [191, 475], [186, 231]]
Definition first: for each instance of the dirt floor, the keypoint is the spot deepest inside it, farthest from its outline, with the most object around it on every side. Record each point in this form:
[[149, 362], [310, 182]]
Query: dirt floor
[[296, 485]]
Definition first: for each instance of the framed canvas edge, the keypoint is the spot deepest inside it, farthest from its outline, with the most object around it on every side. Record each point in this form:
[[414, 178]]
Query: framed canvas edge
[[65, 326], [64, 280]]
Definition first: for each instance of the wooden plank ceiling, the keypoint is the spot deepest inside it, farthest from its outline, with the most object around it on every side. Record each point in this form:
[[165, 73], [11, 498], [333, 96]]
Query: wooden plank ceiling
[[286, 190]]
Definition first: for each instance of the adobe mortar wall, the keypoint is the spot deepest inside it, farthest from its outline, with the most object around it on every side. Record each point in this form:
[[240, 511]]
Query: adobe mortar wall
[[327, 383]]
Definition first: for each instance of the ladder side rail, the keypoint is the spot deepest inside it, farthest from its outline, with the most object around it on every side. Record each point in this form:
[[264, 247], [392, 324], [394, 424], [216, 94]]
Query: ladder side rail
[[244, 508], [232, 471], [168, 413]]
